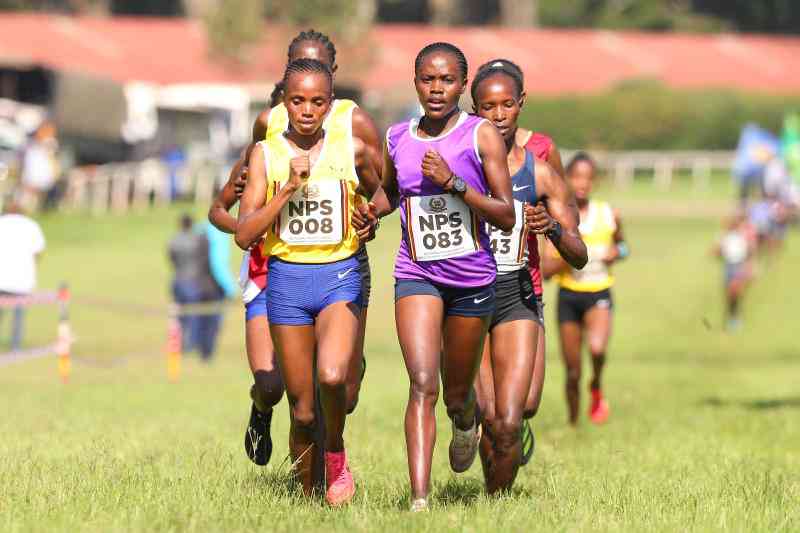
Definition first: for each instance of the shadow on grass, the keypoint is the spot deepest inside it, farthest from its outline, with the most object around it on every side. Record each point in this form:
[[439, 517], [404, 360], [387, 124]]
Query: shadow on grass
[[756, 405], [458, 492]]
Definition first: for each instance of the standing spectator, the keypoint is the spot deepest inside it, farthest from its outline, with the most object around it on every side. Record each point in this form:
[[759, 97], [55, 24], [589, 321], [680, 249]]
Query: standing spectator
[[21, 242], [194, 284], [40, 167]]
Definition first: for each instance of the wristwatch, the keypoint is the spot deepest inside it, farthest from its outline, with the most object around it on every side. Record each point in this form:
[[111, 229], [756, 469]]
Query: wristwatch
[[554, 233], [459, 185]]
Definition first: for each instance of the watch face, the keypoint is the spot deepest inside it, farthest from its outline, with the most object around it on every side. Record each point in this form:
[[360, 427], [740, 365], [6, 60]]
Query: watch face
[[459, 185]]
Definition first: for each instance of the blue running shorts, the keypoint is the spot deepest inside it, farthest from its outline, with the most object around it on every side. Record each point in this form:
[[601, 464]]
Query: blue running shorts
[[298, 292]]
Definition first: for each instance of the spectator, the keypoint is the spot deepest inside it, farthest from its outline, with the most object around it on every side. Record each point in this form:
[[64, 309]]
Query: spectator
[[194, 284], [21, 242], [40, 167]]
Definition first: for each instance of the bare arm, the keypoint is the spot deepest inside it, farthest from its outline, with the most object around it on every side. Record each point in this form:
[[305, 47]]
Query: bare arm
[[255, 213], [368, 177], [620, 249], [552, 262], [364, 128], [219, 212], [559, 206], [554, 159]]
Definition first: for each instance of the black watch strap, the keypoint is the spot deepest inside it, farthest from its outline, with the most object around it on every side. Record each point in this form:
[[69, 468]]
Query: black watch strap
[[554, 234]]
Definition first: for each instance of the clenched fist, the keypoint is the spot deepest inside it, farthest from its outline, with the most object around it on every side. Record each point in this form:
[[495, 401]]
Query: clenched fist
[[435, 169], [299, 170], [538, 219]]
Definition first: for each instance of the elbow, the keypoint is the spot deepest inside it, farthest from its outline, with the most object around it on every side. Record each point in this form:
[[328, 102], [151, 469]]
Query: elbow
[[241, 240], [581, 258]]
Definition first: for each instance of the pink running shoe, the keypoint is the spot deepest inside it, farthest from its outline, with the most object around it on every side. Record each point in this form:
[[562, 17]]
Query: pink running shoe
[[341, 486], [599, 410]]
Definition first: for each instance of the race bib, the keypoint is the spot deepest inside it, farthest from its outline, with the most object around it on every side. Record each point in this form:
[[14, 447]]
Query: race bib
[[313, 215], [510, 247], [439, 226]]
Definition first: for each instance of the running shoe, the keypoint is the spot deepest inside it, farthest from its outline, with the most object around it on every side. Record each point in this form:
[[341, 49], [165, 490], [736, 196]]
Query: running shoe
[[341, 486], [599, 410], [464, 447], [420, 505], [528, 442], [257, 438]]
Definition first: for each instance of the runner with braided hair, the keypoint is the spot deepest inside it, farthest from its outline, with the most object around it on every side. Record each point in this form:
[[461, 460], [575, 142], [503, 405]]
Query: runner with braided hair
[[268, 386], [300, 199]]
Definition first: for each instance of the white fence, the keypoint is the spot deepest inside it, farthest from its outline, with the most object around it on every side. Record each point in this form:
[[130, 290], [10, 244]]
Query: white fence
[[664, 166], [118, 187]]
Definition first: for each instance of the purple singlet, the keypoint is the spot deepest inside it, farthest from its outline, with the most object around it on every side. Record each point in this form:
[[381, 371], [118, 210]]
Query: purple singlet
[[443, 241]]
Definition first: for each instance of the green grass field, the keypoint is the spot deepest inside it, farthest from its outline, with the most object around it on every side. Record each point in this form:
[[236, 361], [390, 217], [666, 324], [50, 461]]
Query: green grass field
[[703, 435]]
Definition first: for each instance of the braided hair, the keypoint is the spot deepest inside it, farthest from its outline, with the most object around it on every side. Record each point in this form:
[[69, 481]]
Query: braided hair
[[303, 37], [446, 48], [307, 65], [498, 66]]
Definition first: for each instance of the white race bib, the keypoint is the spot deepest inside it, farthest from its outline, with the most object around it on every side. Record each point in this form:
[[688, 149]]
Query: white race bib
[[510, 248], [439, 227], [313, 215]]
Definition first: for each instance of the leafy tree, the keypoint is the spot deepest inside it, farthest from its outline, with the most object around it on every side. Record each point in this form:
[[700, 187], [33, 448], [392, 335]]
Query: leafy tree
[[232, 26]]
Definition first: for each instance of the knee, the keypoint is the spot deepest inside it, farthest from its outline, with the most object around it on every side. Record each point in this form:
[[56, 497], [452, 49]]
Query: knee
[[332, 376], [424, 386], [456, 401], [598, 352], [268, 387], [506, 430], [303, 416], [573, 376]]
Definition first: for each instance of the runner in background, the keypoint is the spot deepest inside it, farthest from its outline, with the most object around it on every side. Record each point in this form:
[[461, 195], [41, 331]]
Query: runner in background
[[267, 388], [545, 149], [736, 248], [507, 364], [585, 304]]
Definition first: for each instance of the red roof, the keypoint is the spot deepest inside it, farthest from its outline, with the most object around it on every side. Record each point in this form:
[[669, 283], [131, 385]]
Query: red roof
[[174, 50]]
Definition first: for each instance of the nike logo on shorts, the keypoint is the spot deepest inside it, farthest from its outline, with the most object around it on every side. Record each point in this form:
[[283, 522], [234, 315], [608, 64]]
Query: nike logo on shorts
[[528, 297], [517, 189], [477, 301], [346, 272]]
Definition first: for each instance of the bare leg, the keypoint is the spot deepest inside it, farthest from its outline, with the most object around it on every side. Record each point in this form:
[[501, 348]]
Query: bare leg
[[571, 339], [537, 382], [419, 321], [463, 346], [598, 330], [336, 329], [295, 348], [512, 356], [268, 387], [484, 389], [355, 369]]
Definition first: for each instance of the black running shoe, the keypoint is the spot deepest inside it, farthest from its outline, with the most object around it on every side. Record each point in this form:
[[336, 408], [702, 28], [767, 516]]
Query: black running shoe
[[257, 438], [528, 443]]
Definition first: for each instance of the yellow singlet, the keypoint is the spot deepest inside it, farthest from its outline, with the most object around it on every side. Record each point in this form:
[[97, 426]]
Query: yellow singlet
[[315, 224], [597, 230]]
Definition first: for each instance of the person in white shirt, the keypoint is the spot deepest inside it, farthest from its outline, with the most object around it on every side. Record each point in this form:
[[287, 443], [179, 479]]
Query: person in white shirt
[[40, 168], [21, 243]]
